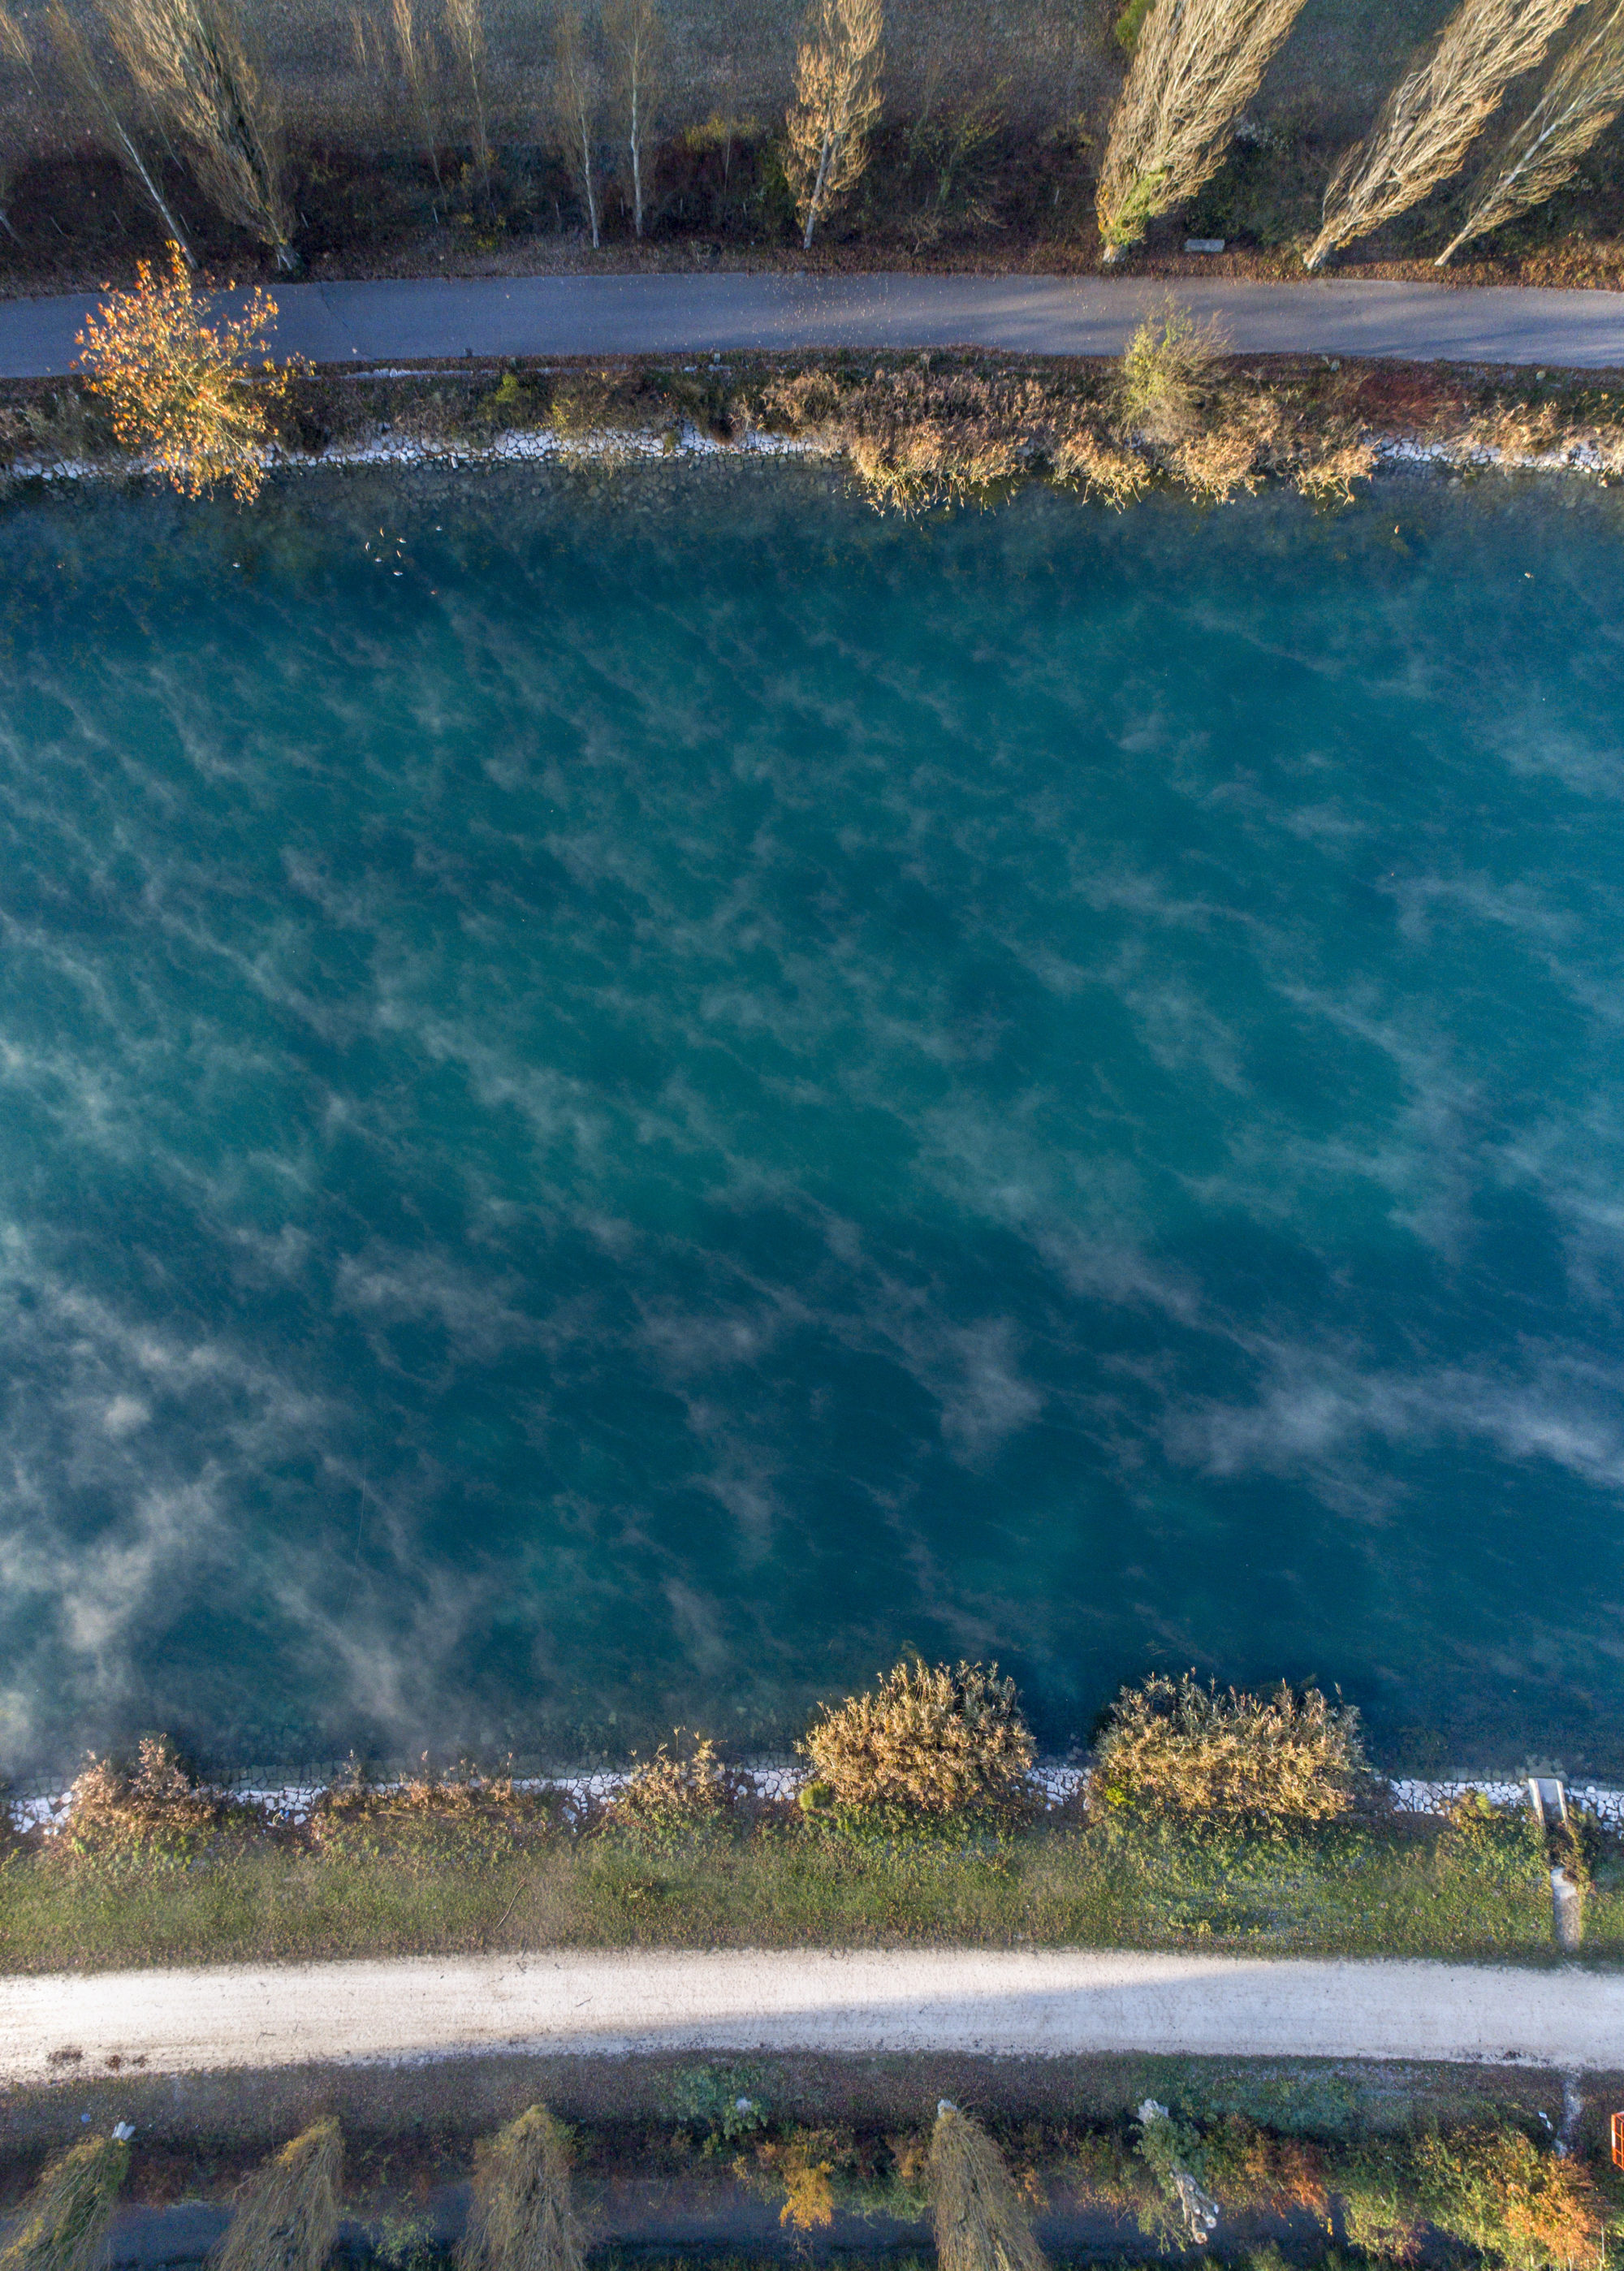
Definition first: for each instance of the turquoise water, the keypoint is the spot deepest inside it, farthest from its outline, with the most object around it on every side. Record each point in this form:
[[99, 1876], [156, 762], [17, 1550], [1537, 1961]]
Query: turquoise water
[[678, 1087]]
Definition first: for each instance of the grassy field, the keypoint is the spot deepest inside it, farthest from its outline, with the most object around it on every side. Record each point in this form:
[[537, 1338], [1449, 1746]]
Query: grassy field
[[382, 1886]]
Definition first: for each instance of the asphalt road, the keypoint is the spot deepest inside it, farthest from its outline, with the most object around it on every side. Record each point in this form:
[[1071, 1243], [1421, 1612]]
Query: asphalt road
[[67, 2028], [674, 314]]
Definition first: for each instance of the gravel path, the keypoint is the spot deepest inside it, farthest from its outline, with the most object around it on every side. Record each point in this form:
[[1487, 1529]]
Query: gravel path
[[1040, 315], [70, 2027]]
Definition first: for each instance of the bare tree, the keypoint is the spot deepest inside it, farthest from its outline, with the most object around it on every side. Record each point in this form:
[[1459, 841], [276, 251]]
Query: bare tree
[[190, 62], [15, 56], [1196, 65], [1584, 94], [465, 35], [636, 33], [1434, 114], [835, 105], [410, 57], [578, 98], [107, 116]]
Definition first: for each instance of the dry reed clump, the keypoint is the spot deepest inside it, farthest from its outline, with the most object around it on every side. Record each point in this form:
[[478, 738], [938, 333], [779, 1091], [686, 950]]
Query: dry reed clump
[[1216, 464], [917, 440], [1433, 115], [678, 1791], [521, 2217], [1196, 64], [806, 402], [156, 1801], [932, 1738], [286, 2215], [918, 437], [1581, 101], [1254, 2169], [1175, 1748], [980, 2220], [177, 387], [1099, 466], [1326, 468], [800, 2165], [65, 2217]]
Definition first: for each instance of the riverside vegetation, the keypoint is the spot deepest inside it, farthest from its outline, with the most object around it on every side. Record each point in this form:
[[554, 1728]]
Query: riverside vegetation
[[1490, 2186], [450, 131], [170, 391], [1205, 1819]]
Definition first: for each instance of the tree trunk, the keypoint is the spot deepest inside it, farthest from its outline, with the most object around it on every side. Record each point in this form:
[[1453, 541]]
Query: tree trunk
[[138, 165], [586, 180], [636, 162], [817, 188]]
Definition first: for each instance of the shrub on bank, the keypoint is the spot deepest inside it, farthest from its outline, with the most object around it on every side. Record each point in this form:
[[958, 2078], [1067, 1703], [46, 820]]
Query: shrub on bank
[[680, 1791], [154, 1802], [933, 1740], [1172, 1747]]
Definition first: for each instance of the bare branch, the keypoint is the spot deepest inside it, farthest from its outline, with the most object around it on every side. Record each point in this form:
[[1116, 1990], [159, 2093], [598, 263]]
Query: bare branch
[[636, 33], [105, 115]]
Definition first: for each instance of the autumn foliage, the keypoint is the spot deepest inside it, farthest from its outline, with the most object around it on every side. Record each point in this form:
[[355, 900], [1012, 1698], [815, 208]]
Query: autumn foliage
[[182, 389], [940, 1739]]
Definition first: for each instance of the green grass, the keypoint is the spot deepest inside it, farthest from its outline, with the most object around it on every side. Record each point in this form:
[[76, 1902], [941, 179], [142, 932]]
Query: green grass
[[490, 1884]]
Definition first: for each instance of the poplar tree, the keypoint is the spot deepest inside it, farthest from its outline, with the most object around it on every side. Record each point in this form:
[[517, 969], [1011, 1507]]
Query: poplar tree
[[578, 97], [1434, 114], [636, 33], [835, 105], [1196, 64], [1582, 99]]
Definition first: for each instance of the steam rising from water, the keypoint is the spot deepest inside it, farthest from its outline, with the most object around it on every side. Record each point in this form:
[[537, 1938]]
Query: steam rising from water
[[696, 1088]]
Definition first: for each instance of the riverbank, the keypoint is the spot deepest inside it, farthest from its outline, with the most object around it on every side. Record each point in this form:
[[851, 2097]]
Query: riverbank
[[411, 1876], [917, 430]]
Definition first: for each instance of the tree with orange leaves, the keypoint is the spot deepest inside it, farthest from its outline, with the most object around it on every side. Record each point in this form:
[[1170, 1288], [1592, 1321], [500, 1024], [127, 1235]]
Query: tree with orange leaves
[[182, 391]]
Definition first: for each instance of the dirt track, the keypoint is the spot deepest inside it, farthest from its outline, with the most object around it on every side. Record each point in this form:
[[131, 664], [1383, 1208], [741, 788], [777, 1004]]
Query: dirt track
[[70, 2027]]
